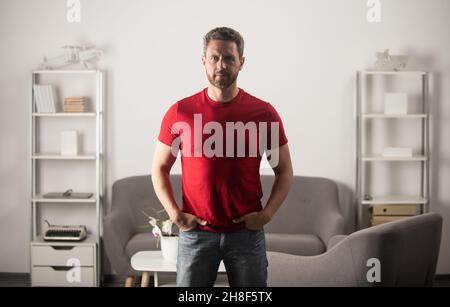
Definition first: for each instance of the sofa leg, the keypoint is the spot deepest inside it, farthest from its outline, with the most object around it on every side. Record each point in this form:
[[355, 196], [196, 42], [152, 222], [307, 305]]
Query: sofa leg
[[129, 281]]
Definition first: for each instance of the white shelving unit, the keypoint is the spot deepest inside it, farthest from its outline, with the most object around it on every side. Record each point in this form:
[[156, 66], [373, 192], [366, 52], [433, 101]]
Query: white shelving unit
[[366, 159], [51, 260]]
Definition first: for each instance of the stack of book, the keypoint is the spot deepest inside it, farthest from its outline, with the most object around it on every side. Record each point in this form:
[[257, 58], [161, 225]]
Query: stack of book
[[44, 97], [75, 104], [387, 213]]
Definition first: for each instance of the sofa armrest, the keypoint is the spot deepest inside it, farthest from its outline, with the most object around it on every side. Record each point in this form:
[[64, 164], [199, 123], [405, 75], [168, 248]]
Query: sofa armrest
[[329, 224], [331, 269], [117, 231], [334, 240]]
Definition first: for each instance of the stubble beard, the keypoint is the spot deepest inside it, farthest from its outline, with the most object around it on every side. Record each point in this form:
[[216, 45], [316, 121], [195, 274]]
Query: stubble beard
[[222, 83]]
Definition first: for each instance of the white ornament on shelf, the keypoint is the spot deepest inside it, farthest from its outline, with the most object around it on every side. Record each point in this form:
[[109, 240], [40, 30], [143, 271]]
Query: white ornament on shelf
[[396, 103], [69, 143], [385, 61], [84, 55]]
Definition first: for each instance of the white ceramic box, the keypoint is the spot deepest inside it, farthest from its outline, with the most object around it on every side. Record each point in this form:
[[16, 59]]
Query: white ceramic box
[[69, 143], [396, 103]]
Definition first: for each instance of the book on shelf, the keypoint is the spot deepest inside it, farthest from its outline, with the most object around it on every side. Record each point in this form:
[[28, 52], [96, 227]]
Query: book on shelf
[[44, 97], [75, 104]]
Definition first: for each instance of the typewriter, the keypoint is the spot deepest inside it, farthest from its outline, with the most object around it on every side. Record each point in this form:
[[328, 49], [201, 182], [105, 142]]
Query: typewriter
[[64, 232]]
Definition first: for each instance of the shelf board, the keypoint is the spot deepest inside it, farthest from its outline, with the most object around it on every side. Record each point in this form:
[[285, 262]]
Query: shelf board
[[396, 200], [390, 72], [41, 199], [382, 158], [382, 115], [65, 114], [56, 156], [66, 71]]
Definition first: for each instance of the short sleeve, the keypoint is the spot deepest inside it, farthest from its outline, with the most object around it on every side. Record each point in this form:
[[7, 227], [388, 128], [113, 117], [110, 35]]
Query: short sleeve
[[166, 133], [274, 117]]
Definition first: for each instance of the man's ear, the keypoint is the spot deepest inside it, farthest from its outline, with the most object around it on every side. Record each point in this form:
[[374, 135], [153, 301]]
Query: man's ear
[[242, 60], [203, 60]]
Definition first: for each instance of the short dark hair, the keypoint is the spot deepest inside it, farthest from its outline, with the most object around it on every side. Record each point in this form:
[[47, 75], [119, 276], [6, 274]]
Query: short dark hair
[[224, 34]]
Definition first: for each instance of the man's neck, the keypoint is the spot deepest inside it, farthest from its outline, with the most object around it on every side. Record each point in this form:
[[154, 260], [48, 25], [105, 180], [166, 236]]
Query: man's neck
[[223, 96]]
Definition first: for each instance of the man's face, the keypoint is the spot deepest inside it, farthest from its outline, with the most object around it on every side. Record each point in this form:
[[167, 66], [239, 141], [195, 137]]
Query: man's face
[[222, 63]]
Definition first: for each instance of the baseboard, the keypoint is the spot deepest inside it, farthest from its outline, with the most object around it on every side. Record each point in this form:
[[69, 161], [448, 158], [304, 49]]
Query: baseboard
[[113, 279], [442, 277], [23, 279], [14, 275], [15, 279]]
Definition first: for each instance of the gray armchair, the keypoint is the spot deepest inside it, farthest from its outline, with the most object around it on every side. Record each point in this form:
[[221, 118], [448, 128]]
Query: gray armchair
[[407, 249], [123, 231], [306, 221]]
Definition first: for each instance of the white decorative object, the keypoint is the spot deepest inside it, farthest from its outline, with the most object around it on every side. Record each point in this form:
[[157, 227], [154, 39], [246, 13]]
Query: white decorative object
[[85, 55], [69, 143], [169, 248], [395, 103], [385, 61], [397, 152]]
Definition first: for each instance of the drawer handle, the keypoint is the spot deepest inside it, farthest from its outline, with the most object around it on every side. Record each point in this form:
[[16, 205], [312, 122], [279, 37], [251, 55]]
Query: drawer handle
[[63, 248], [62, 268]]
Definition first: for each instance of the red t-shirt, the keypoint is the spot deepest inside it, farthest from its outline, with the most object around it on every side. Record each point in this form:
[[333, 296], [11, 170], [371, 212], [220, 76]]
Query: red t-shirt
[[221, 182]]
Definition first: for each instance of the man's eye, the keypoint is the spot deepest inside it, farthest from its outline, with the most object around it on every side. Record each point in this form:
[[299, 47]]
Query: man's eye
[[215, 58]]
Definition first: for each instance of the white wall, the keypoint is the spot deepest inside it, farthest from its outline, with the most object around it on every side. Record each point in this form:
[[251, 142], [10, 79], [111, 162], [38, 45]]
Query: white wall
[[301, 56]]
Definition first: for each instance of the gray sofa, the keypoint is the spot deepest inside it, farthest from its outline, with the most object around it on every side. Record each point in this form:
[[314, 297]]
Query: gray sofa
[[407, 251], [309, 217]]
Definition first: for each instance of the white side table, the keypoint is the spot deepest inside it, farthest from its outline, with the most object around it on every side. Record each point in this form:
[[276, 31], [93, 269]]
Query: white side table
[[153, 262]]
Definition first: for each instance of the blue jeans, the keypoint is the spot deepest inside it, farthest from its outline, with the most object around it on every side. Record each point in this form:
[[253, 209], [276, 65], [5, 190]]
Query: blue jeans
[[243, 253]]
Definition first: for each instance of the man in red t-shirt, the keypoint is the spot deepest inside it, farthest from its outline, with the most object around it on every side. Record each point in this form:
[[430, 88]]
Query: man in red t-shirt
[[222, 133]]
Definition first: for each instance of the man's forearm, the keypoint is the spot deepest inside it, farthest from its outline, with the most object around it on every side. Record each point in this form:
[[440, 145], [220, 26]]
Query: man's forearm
[[280, 190], [163, 189]]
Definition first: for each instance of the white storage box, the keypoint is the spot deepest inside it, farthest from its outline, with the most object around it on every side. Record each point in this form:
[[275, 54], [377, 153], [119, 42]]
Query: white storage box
[[69, 143], [396, 103]]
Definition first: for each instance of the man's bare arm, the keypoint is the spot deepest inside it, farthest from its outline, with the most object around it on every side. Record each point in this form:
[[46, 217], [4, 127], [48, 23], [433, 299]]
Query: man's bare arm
[[163, 161], [283, 181]]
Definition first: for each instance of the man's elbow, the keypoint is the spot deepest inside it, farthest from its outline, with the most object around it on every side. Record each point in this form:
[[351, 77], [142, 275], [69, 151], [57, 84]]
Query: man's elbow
[[287, 175], [290, 176]]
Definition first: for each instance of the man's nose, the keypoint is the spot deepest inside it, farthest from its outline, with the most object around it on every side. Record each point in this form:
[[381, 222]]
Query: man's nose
[[221, 64]]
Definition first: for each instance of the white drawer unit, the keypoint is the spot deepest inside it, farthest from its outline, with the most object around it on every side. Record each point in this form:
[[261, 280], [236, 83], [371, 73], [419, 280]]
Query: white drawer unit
[[61, 264], [48, 276], [61, 255]]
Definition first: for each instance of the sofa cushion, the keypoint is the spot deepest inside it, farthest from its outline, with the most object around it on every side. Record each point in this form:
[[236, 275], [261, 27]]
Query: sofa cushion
[[295, 244], [140, 242]]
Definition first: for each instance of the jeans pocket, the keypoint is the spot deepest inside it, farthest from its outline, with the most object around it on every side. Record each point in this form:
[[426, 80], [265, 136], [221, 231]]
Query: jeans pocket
[[188, 231], [254, 230]]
